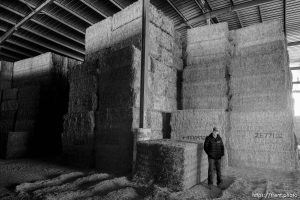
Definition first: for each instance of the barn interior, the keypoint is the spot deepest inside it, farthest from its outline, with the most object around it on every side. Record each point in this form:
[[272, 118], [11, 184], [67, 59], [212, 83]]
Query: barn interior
[[114, 99]]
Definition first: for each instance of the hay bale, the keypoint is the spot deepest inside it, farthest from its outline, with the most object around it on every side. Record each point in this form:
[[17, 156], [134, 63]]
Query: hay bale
[[8, 115], [195, 74], [205, 33], [275, 82], [259, 33], [160, 71], [257, 65], [209, 47], [6, 73], [79, 103], [164, 104], [207, 59], [29, 93], [17, 145], [28, 113], [284, 160], [78, 128], [25, 126], [10, 94], [205, 103], [176, 165], [205, 89], [9, 105], [270, 101], [198, 122], [98, 36], [78, 155]]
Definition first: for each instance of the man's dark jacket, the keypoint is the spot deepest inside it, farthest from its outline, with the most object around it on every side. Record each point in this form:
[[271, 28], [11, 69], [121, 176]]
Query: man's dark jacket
[[214, 147]]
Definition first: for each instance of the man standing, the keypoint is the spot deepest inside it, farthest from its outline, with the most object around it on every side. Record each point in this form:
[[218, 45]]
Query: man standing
[[214, 148]]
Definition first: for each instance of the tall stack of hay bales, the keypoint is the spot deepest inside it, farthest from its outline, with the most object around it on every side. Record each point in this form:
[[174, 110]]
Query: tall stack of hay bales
[[261, 103], [205, 88], [113, 56], [42, 100]]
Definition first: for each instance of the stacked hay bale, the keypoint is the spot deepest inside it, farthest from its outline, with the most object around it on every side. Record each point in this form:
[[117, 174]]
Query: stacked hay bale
[[113, 46], [205, 88], [79, 122], [42, 99], [6, 74], [169, 163], [261, 103]]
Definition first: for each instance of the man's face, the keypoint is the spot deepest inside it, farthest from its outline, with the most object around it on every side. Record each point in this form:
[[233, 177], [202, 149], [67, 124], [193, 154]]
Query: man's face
[[215, 133]]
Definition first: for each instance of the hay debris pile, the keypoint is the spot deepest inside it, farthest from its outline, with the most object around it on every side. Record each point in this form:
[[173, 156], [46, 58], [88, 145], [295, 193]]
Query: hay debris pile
[[172, 164], [261, 103]]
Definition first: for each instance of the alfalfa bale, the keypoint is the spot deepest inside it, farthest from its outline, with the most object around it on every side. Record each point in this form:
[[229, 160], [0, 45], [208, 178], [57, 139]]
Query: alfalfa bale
[[176, 165], [211, 32], [257, 65], [161, 71], [272, 82], [197, 122], [17, 145], [283, 160], [194, 74], [204, 89], [270, 101], [25, 126], [98, 36], [205, 102], [83, 103], [207, 59], [210, 47], [29, 92], [10, 94], [9, 105], [164, 104], [259, 33], [78, 128]]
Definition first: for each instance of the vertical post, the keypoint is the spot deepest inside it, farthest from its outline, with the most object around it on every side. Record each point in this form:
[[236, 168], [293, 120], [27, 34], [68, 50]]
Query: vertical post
[[284, 17], [142, 131], [144, 64], [208, 21]]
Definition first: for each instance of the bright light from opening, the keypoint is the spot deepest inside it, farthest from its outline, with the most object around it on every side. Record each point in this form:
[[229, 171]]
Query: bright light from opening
[[296, 97]]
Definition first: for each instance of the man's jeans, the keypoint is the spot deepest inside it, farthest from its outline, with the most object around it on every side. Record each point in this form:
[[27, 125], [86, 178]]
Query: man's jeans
[[214, 164]]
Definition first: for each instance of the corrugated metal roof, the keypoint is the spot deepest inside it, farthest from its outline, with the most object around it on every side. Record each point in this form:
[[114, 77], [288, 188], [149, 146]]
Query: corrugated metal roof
[[62, 25]]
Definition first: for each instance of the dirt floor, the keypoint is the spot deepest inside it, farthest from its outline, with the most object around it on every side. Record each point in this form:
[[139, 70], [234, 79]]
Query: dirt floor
[[32, 179]]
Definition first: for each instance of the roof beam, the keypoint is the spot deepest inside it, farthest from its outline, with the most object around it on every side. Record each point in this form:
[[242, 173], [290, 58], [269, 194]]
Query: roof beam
[[237, 14], [47, 26], [24, 20], [179, 13], [56, 18], [9, 56], [16, 51], [46, 37], [72, 12], [117, 4], [290, 44], [230, 9], [294, 68], [260, 15], [284, 17], [94, 8]]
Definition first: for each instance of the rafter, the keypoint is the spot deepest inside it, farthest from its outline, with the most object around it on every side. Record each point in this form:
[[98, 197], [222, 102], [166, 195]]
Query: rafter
[[9, 56], [230, 9], [179, 13], [45, 36], [56, 18], [47, 26], [117, 4], [94, 8], [72, 12], [260, 15], [284, 17], [24, 20], [16, 51]]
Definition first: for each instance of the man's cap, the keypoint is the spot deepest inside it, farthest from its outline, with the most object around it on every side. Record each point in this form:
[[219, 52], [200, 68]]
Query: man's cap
[[215, 129]]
